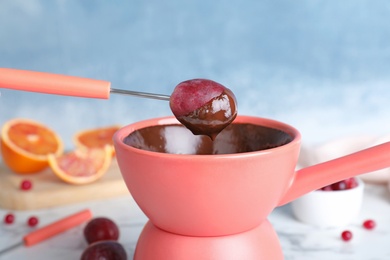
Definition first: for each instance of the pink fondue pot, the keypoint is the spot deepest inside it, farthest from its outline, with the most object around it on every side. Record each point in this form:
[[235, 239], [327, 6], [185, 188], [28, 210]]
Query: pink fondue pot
[[210, 200]]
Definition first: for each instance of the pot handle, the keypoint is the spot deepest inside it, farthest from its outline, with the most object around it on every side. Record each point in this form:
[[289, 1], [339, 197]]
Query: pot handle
[[322, 174]]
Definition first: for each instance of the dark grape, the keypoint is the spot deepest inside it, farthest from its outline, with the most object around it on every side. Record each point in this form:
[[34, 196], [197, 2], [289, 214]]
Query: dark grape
[[101, 229], [204, 106], [104, 250]]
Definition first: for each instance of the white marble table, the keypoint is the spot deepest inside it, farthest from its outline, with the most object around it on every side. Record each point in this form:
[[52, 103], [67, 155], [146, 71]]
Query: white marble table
[[299, 241]]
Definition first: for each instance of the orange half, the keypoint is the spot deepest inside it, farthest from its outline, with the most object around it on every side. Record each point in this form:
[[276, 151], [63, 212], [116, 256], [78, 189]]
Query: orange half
[[26, 144], [96, 137], [81, 166]]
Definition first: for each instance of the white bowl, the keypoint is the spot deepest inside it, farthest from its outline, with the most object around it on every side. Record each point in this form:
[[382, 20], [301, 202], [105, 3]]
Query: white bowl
[[326, 151], [327, 209]]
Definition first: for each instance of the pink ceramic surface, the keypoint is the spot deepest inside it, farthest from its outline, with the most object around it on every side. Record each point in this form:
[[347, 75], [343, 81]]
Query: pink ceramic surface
[[214, 195], [258, 243]]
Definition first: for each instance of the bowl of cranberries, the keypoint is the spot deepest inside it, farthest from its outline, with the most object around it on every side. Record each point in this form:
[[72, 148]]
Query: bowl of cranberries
[[335, 205]]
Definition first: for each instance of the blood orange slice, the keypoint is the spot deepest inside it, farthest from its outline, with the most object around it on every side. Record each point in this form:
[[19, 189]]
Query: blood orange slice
[[96, 137], [81, 166], [26, 144]]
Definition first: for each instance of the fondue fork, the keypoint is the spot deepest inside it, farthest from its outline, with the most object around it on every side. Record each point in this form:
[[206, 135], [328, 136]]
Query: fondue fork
[[57, 84]]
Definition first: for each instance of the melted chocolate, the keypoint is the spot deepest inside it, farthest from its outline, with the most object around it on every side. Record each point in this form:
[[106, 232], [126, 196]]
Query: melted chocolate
[[211, 118], [235, 138]]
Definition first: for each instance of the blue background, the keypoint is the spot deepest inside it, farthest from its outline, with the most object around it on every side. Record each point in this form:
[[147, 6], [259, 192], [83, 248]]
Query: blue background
[[322, 66]]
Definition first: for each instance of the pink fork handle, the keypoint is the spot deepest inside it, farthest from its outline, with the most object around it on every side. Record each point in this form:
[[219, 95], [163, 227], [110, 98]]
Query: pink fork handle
[[57, 227], [53, 83]]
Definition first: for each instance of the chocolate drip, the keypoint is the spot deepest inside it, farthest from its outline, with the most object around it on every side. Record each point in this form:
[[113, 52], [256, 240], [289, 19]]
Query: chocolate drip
[[211, 118]]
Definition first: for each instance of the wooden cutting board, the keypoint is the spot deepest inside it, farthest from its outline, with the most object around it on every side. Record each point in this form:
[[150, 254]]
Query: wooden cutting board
[[48, 190]]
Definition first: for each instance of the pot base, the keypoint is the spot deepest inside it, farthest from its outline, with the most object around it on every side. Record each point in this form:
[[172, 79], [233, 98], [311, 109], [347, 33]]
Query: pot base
[[259, 243]]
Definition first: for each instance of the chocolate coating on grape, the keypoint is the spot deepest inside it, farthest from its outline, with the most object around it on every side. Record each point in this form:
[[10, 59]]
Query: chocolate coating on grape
[[204, 106]]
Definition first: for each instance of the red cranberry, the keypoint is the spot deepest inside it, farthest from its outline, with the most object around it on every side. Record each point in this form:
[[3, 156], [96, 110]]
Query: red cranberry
[[346, 235], [341, 185], [32, 221], [25, 185], [369, 224], [346, 184], [351, 183], [326, 188], [9, 218]]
